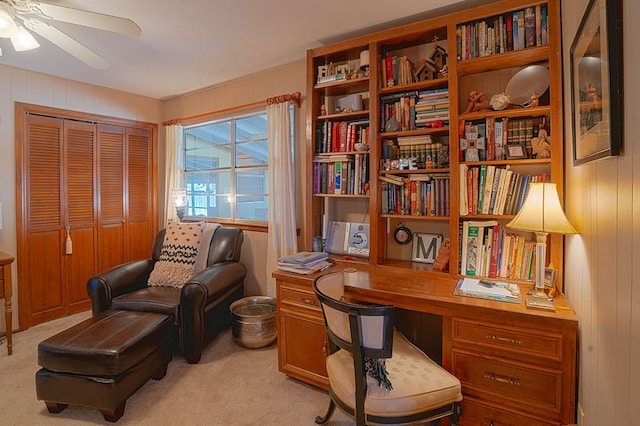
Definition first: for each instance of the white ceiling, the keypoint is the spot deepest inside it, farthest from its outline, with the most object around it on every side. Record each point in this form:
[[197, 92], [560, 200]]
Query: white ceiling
[[192, 44]]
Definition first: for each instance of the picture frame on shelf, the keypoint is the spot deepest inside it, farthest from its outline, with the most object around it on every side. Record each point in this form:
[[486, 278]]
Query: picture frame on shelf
[[550, 276], [515, 152], [596, 82], [425, 247]]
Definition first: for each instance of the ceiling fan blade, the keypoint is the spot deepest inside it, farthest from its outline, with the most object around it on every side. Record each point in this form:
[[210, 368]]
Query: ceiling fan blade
[[65, 42], [85, 18]]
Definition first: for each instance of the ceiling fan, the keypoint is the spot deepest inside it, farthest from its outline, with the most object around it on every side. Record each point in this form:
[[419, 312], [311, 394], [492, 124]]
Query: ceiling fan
[[16, 16]]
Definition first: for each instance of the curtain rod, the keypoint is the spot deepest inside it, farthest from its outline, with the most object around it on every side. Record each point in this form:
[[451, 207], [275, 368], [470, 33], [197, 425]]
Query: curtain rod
[[295, 97]]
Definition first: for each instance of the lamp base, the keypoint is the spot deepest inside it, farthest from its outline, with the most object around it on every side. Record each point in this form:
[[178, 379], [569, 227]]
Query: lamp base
[[537, 292]]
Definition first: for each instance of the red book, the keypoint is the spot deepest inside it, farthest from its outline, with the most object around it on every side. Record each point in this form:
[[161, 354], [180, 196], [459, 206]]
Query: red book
[[343, 135], [335, 137], [389, 63], [496, 244], [470, 190]]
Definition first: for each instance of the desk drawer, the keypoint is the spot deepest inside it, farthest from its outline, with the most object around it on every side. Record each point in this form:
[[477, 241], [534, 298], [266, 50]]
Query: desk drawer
[[545, 345], [535, 387], [299, 298], [476, 413]]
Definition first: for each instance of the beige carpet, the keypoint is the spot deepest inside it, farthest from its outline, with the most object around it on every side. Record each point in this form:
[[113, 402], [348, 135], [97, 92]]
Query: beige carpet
[[230, 386]]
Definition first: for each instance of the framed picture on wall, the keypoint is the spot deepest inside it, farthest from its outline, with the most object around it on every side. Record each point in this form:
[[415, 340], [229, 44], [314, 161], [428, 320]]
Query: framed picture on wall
[[596, 82]]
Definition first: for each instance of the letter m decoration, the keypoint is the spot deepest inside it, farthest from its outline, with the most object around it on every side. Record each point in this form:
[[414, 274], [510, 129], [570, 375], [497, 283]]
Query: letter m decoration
[[425, 247]]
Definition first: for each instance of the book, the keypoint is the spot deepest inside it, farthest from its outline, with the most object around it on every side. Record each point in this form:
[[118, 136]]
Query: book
[[521, 29], [482, 175], [337, 176], [530, 26], [462, 195], [488, 188], [474, 243], [303, 258], [496, 246]]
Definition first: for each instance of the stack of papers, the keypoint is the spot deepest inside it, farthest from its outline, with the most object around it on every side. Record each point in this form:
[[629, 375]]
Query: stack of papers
[[304, 262], [488, 289]]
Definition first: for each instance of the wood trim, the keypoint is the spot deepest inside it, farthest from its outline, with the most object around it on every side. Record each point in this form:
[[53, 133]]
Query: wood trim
[[295, 97]]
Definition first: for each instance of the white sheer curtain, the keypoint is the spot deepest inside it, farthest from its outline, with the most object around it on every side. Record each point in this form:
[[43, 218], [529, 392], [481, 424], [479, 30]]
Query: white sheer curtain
[[173, 167], [281, 240]]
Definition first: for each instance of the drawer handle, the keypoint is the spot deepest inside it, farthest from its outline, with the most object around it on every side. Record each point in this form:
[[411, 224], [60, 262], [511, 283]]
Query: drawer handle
[[508, 381], [309, 301], [488, 423], [505, 339]]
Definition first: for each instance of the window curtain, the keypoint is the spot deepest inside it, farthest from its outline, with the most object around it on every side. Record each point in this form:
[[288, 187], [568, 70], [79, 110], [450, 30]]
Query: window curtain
[[174, 165], [281, 239]]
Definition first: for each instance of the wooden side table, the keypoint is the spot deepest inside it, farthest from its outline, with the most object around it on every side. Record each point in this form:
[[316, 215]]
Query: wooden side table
[[5, 291]]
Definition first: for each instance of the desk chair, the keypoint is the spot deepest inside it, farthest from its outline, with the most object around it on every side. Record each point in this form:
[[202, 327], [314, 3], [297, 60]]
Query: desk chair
[[375, 374]]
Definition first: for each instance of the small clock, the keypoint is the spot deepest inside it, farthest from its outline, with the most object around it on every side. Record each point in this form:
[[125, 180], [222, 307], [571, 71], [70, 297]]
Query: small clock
[[402, 235]]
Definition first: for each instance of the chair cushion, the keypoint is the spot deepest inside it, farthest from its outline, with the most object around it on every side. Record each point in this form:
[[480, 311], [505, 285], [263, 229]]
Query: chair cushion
[[178, 254], [163, 300], [419, 384]]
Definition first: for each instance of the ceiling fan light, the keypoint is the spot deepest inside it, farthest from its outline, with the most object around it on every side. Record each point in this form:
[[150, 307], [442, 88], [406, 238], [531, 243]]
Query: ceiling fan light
[[7, 26], [23, 40]]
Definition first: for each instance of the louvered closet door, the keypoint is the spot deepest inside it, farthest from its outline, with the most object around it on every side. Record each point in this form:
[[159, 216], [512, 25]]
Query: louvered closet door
[[111, 215], [40, 247], [140, 225], [80, 211]]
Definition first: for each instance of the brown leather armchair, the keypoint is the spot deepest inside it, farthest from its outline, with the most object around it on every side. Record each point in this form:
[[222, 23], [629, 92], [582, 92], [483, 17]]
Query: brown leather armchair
[[200, 309]]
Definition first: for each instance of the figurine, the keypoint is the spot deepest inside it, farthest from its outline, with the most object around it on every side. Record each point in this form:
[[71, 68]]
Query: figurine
[[534, 101], [541, 145], [478, 101], [499, 101]]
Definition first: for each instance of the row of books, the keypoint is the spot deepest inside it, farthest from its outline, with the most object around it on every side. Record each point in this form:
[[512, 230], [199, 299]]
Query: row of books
[[414, 109], [425, 152], [341, 174], [511, 31], [486, 139], [417, 195], [487, 250], [401, 108], [340, 136], [397, 70], [487, 189]]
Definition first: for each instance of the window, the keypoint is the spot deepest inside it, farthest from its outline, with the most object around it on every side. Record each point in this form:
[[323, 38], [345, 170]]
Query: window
[[226, 168]]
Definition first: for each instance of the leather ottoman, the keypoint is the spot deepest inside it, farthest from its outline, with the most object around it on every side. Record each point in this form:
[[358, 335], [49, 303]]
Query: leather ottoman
[[103, 360]]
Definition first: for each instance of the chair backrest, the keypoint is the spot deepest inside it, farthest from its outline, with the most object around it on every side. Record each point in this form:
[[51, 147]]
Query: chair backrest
[[226, 245], [362, 329]]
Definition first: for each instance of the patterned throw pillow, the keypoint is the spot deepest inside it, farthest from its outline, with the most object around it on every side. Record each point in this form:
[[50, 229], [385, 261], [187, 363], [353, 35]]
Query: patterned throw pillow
[[178, 254]]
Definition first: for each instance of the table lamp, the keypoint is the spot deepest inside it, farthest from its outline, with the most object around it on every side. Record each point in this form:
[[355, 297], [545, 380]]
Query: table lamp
[[541, 213], [179, 201]]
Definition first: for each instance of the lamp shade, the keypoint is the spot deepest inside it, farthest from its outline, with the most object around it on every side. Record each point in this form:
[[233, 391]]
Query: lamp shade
[[541, 211], [179, 197], [364, 59]]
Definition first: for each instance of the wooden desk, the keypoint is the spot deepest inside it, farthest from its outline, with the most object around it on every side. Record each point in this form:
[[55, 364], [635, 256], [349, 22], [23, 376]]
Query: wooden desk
[[516, 365], [5, 292]]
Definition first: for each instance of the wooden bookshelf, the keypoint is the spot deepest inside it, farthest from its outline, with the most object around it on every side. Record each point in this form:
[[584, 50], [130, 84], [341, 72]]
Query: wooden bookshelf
[[418, 42]]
